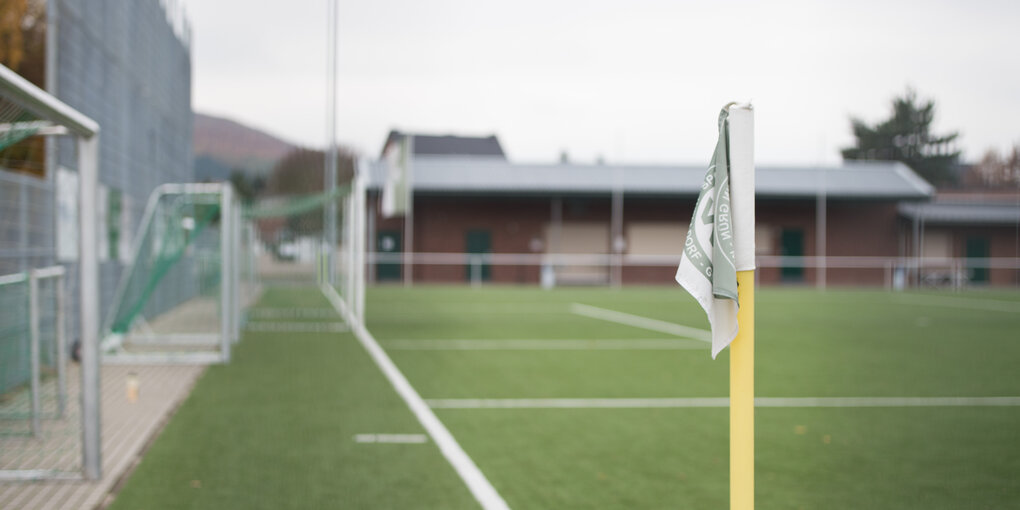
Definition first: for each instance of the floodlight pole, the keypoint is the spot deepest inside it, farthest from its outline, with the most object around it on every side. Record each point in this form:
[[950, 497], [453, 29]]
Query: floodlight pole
[[329, 221], [821, 226], [409, 213], [741, 121]]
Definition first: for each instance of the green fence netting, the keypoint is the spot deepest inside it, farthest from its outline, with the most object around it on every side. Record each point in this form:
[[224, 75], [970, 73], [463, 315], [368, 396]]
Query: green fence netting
[[177, 222]]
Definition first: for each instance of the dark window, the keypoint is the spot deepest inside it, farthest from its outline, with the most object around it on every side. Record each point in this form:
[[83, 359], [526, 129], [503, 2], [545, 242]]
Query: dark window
[[478, 242], [388, 243], [791, 244], [977, 248]]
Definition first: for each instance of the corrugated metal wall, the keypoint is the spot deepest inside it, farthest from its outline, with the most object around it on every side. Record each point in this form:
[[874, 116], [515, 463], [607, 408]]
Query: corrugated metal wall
[[127, 65]]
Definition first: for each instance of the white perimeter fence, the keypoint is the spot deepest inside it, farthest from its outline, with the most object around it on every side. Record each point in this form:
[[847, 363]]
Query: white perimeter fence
[[607, 269]]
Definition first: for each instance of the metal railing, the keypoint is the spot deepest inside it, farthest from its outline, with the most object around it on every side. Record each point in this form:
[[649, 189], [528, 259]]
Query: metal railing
[[617, 269], [32, 335]]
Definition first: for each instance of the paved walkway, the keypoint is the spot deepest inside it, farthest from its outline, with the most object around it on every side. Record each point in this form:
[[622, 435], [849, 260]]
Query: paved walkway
[[127, 427]]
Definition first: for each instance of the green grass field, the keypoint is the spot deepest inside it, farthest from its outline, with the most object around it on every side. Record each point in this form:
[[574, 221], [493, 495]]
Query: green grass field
[[276, 427]]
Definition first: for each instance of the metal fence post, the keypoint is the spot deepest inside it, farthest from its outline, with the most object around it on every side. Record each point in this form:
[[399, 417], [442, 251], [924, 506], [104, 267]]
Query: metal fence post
[[225, 305], [476, 271], [235, 310], [88, 171], [33, 339], [61, 344]]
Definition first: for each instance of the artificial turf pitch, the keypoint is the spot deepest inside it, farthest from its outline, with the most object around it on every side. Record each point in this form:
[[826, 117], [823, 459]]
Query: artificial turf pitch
[[275, 428]]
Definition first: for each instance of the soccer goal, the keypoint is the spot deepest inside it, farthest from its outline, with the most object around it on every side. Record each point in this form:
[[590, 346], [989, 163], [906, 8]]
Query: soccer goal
[[49, 406], [183, 296], [312, 239]]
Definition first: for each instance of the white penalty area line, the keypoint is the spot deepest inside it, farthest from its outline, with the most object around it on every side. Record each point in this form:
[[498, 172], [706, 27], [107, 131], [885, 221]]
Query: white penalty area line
[[984, 304], [297, 327], [391, 438], [637, 321], [650, 403], [545, 345], [480, 488]]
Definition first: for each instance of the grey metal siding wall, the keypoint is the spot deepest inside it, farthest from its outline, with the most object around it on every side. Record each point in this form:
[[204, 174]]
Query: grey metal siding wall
[[27, 237], [124, 65]]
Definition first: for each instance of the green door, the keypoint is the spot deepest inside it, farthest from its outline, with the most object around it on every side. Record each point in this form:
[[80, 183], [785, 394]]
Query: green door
[[977, 248], [478, 242], [791, 244], [388, 243]]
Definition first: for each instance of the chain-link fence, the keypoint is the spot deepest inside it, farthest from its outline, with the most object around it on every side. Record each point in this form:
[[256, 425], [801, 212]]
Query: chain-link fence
[[40, 405]]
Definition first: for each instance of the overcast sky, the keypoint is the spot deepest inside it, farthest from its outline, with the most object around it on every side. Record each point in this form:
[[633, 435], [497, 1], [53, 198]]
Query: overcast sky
[[630, 81]]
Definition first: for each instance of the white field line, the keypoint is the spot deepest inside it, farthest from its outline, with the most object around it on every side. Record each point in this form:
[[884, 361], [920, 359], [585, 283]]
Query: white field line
[[391, 438], [291, 313], [641, 322], [480, 488], [545, 345], [481, 308], [646, 403], [163, 358], [297, 327], [995, 305]]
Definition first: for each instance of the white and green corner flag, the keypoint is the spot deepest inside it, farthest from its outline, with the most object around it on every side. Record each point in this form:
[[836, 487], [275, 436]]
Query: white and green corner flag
[[397, 188], [707, 268]]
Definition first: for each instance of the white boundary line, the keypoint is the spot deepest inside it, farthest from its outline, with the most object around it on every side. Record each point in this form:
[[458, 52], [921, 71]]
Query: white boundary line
[[647, 403], [640, 322], [296, 327], [291, 313], [163, 358], [391, 438], [480, 488], [545, 345], [994, 305]]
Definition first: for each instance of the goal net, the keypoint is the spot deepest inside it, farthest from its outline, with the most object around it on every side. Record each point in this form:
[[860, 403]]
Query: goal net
[[183, 296], [312, 239]]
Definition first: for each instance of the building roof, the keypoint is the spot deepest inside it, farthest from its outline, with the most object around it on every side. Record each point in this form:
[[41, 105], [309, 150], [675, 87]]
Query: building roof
[[472, 175], [963, 213], [450, 145]]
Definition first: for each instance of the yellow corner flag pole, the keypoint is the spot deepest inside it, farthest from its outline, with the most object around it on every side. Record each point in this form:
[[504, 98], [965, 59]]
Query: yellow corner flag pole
[[742, 399], [741, 122]]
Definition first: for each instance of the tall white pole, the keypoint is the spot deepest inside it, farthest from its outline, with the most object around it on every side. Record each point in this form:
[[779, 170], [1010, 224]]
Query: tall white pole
[[409, 214], [329, 221], [821, 226]]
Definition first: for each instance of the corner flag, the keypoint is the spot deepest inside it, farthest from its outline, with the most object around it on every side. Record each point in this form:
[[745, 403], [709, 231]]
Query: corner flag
[[396, 195], [717, 268], [707, 268]]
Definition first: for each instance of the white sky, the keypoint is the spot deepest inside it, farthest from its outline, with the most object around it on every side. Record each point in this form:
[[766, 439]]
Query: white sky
[[628, 80]]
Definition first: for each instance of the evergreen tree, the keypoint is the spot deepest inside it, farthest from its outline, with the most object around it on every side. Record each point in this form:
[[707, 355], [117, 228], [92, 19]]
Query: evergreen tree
[[906, 136]]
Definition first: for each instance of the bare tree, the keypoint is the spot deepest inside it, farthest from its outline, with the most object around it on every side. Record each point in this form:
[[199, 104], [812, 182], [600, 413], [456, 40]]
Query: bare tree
[[996, 170]]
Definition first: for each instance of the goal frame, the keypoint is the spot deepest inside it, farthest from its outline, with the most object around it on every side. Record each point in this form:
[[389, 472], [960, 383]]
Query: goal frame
[[230, 315], [62, 119]]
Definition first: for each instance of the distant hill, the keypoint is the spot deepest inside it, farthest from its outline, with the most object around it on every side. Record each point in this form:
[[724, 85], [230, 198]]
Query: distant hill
[[222, 145]]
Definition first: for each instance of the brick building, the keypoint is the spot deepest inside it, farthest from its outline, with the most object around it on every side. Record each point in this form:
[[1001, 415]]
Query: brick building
[[626, 223]]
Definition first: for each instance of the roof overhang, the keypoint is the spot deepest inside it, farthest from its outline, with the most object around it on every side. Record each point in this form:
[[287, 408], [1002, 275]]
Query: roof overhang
[[491, 176], [962, 213]]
